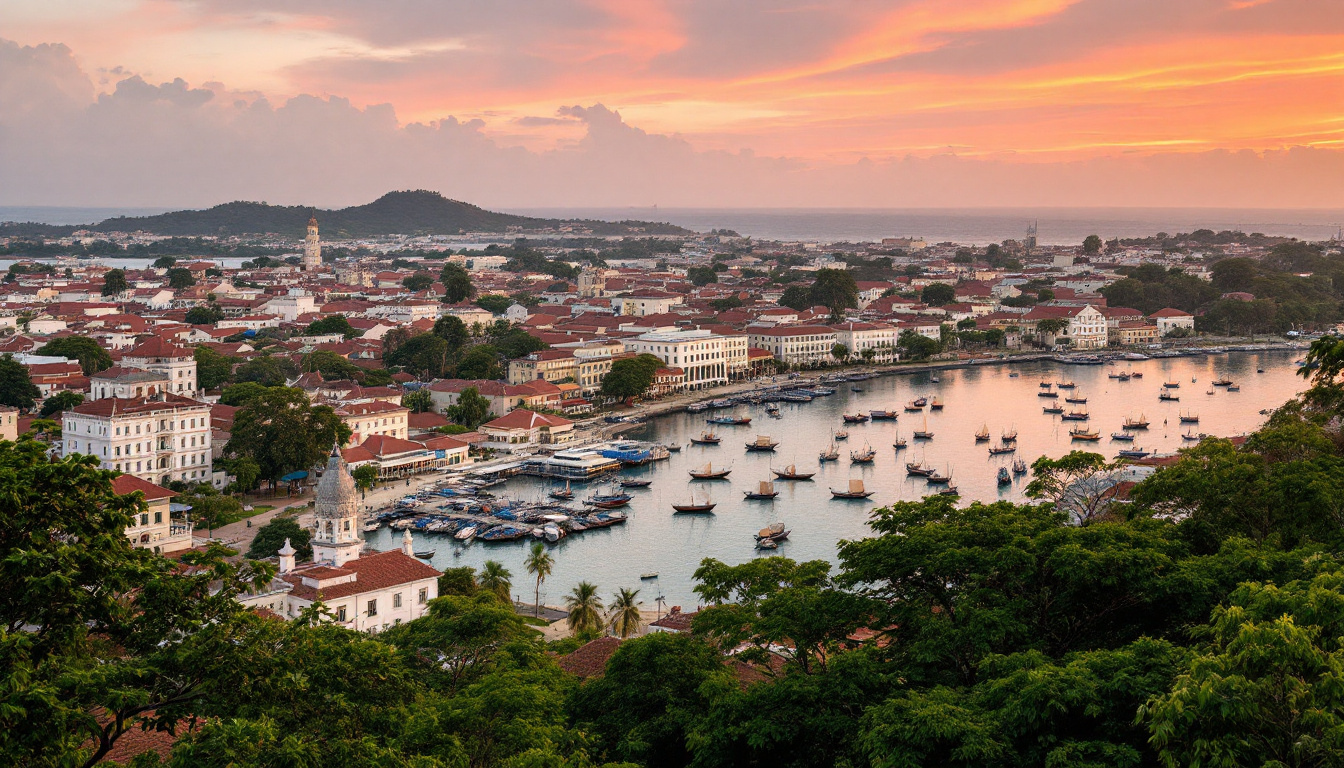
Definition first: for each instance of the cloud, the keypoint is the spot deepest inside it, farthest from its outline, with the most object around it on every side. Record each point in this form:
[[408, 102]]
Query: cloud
[[174, 144]]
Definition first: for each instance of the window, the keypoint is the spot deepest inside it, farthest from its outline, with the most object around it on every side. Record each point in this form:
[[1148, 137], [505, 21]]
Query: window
[[424, 595], [396, 600], [340, 614], [373, 607], [144, 519]]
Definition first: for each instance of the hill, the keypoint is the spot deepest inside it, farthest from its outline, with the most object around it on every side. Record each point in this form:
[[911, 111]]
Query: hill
[[417, 212]]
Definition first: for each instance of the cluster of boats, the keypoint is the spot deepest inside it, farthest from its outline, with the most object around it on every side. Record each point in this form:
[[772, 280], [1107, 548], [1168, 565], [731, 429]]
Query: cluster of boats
[[482, 517]]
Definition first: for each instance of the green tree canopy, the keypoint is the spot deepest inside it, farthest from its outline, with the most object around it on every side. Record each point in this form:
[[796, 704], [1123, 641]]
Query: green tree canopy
[[418, 401], [332, 324], [206, 315], [630, 377], [1091, 245], [702, 275], [271, 538], [480, 362], [213, 370], [422, 355], [331, 365], [471, 409], [457, 286], [494, 303], [180, 278], [61, 401], [834, 289], [796, 297], [267, 371], [938, 294], [114, 283], [282, 432], [419, 281], [92, 358]]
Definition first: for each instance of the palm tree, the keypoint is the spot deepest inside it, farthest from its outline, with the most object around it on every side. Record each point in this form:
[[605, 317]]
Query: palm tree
[[585, 608], [624, 615], [495, 578], [539, 564]]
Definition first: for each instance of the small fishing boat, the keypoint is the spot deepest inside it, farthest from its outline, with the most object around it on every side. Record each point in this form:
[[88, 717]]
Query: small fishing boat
[[934, 478], [730, 421], [917, 469], [693, 507], [636, 483], [1132, 453], [697, 407], [674, 448], [864, 456], [1139, 423], [1048, 393], [898, 443], [920, 401], [830, 454], [982, 434], [841, 435], [466, 534], [1123, 437], [773, 532], [1080, 433], [1076, 416], [1233, 387], [857, 418], [1014, 375], [648, 576], [912, 408], [791, 473], [1167, 396], [1004, 477], [708, 472], [1171, 385], [1136, 374], [564, 494], [1053, 409], [613, 504], [924, 433], [764, 492], [424, 554], [1065, 385], [1189, 418], [1190, 436], [1001, 449], [855, 491], [936, 405], [1223, 382], [767, 544], [1019, 467], [950, 490], [762, 443], [1046, 384], [772, 409], [1075, 399], [707, 438], [883, 415], [1009, 437], [1209, 392]]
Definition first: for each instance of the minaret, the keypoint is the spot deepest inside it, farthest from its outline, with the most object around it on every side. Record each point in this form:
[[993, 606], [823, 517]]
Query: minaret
[[338, 539], [312, 247]]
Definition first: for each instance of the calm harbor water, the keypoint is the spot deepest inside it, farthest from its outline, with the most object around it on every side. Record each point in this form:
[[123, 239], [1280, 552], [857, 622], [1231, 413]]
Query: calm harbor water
[[654, 539]]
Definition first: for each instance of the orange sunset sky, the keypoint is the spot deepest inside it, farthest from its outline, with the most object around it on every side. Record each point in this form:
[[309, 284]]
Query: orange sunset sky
[[904, 102]]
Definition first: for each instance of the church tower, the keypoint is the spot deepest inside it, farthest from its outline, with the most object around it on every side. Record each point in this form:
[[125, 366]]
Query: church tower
[[338, 539], [312, 247]]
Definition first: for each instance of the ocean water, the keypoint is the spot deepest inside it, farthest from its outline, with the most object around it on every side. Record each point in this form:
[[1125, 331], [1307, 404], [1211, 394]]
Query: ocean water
[[656, 540], [977, 226]]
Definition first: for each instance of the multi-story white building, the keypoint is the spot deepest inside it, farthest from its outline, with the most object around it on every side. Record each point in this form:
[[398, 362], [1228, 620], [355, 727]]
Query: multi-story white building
[[794, 344], [879, 337], [703, 355], [158, 439], [170, 360]]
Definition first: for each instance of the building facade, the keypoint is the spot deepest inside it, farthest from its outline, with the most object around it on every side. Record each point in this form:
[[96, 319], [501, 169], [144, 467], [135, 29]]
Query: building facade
[[702, 355], [312, 247], [176, 363], [154, 529], [159, 439], [796, 344]]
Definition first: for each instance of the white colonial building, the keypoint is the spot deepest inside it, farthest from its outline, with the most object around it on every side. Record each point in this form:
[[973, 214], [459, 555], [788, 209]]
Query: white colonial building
[[879, 337], [706, 358], [364, 591], [641, 303], [158, 439], [796, 344], [176, 363], [154, 529]]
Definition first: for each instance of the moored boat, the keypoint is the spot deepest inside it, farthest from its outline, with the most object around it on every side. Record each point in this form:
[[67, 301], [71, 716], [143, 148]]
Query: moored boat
[[1123, 437], [708, 472], [917, 469], [773, 532], [936, 405], [1133, 453], [1002, 448], [636, 483], [1139, 423], [1053, 409], [863, 456], [694, 507], [1004, 478], [1081, 433], [706, 438], [855, 491], [1167, 396], [762, 443], [1189, 418], [765, 491], [882, 415], [730, 421], [791, 473], [857, 418], [982, 434], [1019, 467]]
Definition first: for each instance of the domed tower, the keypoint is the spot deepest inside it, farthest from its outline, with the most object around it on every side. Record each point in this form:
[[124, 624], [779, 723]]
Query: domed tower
[[338, 539], [312, 247]]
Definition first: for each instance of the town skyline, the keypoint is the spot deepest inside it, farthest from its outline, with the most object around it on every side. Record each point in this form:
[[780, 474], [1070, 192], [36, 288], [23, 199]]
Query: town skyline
[[1205, 104]]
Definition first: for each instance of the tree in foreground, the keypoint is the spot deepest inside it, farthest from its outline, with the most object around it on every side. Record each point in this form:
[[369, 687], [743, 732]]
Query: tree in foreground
[[539, 565], [17, 390], [213, 370], [585, 608], [114, 283], [457, 286], [61, 401], [471, 409]]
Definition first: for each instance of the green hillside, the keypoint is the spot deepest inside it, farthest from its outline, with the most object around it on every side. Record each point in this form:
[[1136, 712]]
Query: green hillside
[[406, 212]]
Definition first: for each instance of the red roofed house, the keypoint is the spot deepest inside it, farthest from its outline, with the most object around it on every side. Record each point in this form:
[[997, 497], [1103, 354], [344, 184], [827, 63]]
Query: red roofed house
[[372, 418], [365, 591], [521, 428], [154, 528], [159, 356], [1169, 319]]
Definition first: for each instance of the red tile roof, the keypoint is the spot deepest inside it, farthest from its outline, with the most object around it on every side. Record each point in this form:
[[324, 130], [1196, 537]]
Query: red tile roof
[[372, 572], [125, 484], [590, 660]]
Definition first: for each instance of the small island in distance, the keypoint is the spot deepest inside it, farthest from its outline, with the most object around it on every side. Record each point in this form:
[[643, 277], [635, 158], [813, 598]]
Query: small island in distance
[[409, 212]]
